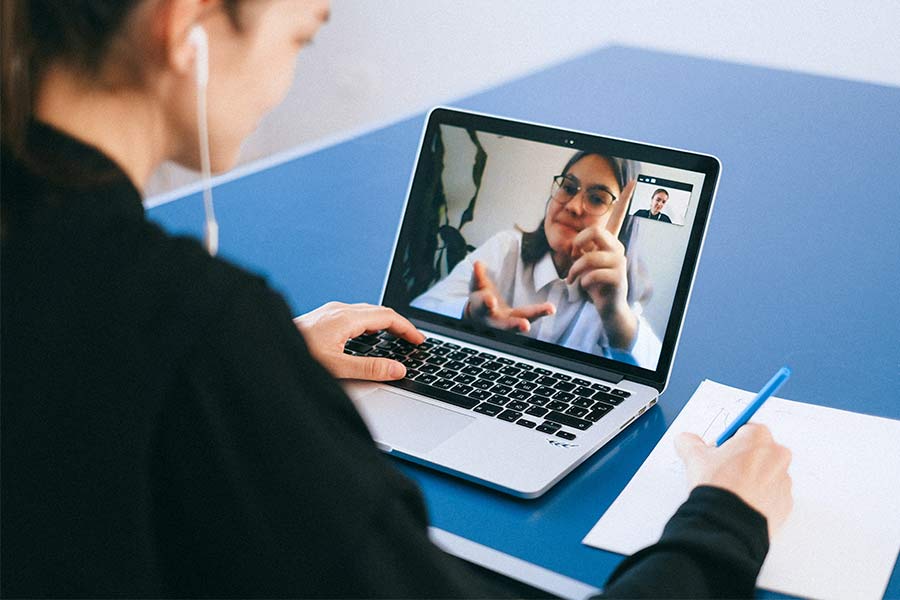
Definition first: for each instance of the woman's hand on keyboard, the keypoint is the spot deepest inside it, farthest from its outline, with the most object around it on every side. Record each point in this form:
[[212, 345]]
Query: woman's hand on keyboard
[[327, 329]]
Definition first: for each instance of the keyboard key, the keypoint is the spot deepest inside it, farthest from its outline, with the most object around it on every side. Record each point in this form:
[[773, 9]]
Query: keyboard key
[[463, 378], [357, 346], [456, 365], [537, 411], [475, 360], [568, 420], [446, 374], [541, 371], [429, 368], [563, 376], [487, 356], [501, 389], [444, 384], [621, 393], [411, 363], [547, 380], [451, 345], [539, 400], [509, 415], [565, 386], [435, 360], [378, 353], [582, 382], [457, 355], [426, 378], [557, 405], [461, 388], [525, 385], [576, 411], [582, 402], [498, 399], [437, 394], [433, 341], [601, 387], [490, 375], [528, 375], [517, 405], [492, 365], [608, 398], [510, 370], [482, 384], [470, 370], [367, 338], [507, 380], [523, 366], [595, 415], [548, 427], [526, 423], [584, 391], [486, 408], [480, 394], [544, 391], [563, 396], [469, 350], [441, 351], [505, 361], [519, 395], [565, 435]]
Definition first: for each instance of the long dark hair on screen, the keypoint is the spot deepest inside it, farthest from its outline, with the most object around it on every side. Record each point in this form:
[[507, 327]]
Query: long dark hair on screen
[[535, 244]]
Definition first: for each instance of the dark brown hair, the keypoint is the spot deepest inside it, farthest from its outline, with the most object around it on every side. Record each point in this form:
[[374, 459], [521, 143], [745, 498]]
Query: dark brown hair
[[534, 243], [39, 33]]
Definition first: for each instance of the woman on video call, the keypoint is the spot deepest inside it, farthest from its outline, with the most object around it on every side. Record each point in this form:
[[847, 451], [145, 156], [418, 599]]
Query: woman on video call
[[166, 429], [565, 282]]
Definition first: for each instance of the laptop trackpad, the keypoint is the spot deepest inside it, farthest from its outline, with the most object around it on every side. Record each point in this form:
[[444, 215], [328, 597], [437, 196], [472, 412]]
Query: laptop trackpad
[[408, 424]]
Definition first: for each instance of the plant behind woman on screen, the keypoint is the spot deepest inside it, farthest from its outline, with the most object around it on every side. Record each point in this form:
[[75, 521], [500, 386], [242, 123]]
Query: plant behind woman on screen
[[434, 247]]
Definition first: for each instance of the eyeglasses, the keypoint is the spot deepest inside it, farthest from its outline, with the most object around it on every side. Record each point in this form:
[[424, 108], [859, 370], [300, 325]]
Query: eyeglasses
[[596, 200]]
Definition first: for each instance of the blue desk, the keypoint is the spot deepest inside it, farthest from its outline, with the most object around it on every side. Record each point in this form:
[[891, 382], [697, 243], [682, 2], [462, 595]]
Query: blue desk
[[801, 265]]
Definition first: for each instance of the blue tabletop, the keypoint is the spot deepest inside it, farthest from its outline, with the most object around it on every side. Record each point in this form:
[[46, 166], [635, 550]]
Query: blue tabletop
[[801, 265]]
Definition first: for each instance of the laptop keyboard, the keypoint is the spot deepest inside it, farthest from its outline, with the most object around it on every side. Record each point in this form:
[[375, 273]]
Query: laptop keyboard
[[532, 397]]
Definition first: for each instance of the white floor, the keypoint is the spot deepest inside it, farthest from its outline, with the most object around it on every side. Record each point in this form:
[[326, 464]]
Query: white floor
[[379, 60]]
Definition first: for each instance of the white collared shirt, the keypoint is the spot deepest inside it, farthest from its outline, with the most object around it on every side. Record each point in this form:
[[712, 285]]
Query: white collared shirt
[[576, 323]]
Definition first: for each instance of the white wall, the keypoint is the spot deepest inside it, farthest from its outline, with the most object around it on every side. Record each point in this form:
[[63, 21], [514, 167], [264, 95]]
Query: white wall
[[380, 60]]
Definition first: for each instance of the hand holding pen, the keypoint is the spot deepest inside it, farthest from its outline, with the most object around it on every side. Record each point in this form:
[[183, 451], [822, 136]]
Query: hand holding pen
[[749, 463]]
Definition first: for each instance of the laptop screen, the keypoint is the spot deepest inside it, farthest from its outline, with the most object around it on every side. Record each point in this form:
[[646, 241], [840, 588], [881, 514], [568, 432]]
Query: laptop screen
[[567, 244]]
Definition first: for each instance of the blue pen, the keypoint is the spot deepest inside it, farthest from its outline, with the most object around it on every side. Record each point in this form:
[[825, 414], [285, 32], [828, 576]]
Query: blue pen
[[770, 388]]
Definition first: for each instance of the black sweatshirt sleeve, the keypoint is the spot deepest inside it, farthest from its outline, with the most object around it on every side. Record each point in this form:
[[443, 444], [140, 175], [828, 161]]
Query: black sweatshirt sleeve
[[266, 483], [713, 547], [269, 485]]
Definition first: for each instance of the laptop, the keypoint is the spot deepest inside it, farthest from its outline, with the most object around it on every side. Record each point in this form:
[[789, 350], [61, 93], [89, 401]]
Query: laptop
[[551, 298]]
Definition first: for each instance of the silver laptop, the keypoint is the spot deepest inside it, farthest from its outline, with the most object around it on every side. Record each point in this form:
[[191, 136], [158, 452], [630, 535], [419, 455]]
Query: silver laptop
[[551, 271]]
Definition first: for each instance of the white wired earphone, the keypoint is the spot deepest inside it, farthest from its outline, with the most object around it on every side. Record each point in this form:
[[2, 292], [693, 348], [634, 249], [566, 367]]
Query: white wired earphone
[[198, 39]]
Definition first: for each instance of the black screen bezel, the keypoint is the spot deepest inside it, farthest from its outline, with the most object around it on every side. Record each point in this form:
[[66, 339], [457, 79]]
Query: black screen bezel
[[394, 290]]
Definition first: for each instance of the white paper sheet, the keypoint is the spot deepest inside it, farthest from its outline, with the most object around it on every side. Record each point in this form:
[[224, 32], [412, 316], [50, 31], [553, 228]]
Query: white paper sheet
[[843, 536]]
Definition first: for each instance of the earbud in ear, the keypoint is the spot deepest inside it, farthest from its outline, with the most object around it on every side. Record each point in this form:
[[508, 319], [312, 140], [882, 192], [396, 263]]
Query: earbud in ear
[[199, 40]]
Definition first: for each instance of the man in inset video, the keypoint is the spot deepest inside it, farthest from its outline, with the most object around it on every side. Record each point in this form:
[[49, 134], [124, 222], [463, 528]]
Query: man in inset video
[[657, 202]]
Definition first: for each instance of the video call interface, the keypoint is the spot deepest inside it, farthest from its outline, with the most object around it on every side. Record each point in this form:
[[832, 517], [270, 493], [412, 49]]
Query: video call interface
[[540, 240]]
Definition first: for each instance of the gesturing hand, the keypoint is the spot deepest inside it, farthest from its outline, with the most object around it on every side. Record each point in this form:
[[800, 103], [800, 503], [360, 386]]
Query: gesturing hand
[[487, 305], [751, 465], [328, 328], [599, 267]]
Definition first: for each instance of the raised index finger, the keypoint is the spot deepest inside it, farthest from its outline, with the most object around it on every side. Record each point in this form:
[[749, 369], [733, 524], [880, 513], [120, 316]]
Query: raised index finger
[[620, 209]]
